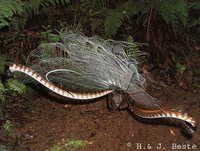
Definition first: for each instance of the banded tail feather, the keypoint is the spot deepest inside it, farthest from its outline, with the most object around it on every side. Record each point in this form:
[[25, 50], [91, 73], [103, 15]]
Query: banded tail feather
[[71, 95], [188, 123]]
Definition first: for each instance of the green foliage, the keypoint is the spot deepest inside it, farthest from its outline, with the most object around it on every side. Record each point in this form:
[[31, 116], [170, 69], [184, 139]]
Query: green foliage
[[36, 6], [17, 12], [174, 11], [3, 148], [12, 86], [2, 92], [113, 20], [133, 50], [76, 143], [69, 145], [48, 35], [8, 128], [102, 14], [9, 8], [180, 68], [194, 22], [16, 86]]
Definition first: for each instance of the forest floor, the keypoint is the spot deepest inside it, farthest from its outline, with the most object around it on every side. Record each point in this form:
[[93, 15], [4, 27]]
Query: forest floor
[[94, 127]]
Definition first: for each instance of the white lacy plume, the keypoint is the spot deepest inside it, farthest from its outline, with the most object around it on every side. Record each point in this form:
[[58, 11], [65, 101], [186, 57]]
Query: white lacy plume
[[90, 63]]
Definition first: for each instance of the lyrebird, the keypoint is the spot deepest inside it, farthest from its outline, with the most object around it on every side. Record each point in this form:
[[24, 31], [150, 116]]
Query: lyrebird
[[97, 68]]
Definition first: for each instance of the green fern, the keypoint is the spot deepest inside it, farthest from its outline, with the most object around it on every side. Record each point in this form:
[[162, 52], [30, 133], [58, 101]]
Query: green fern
[[195, 5], [8, 128], [48, 35], [194, 21], [2, 98], [113, 20], [17, 12], [174, 11], [16, 86], [98, 5], [134, 52], [69, 145], [2, 89], [9, 8], [36, 6], [3, 148]]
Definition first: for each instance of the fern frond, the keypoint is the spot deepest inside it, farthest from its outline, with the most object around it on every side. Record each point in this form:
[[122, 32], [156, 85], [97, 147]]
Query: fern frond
[[2, 89], [2, 97], [113, 20], [174, 11], [98, 5], [37, 5], [63, 2], [33, 6], [195, 18], [16, 86], [8, 8], [195, 22], [195, 5], [134, 52]]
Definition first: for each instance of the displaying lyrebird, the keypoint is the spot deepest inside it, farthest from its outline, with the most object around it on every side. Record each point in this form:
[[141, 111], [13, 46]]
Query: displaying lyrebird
[[89, 68]]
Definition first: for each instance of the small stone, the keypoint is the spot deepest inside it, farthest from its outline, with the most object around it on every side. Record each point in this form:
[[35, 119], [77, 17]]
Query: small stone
[[129, 144]]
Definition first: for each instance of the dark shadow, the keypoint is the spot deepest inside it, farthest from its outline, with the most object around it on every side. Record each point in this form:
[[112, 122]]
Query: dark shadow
[[60, 99]]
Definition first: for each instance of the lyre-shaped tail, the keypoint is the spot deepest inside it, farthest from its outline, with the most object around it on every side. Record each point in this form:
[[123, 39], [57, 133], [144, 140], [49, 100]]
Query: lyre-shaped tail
[[71, 95]]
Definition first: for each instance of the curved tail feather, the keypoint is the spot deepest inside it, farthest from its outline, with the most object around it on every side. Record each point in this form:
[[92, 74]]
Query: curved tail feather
[[188, 122], [72, 95]]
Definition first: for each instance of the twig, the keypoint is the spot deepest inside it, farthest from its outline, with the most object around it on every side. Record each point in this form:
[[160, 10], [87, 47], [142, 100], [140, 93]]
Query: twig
[[149, 22]]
